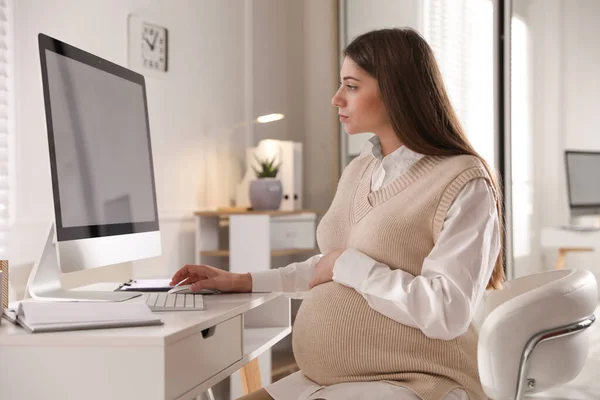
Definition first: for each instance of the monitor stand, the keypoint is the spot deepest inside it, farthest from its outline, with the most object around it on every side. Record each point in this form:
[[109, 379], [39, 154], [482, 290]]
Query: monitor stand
[[44, 280]]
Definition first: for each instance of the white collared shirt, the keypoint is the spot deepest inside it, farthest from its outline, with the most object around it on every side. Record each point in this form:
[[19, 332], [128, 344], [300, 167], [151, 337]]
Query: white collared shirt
[[390, 167], [443, 299]]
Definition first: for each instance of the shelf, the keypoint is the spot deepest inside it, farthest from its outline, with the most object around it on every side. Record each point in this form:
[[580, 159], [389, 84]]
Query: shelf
[[274, 253], [283, 364], [258, 340]]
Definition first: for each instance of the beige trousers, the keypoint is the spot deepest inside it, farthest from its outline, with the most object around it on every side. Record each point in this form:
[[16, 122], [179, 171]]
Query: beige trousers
[[260, 394]]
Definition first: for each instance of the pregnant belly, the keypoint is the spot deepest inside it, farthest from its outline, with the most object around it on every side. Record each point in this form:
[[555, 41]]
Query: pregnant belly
[[338, 337]]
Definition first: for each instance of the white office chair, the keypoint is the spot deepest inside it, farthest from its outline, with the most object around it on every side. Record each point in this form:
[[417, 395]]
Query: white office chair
[[534, 335]]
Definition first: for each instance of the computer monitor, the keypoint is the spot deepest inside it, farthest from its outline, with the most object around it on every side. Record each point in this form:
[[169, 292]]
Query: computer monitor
[[100, 158], [583, 184]]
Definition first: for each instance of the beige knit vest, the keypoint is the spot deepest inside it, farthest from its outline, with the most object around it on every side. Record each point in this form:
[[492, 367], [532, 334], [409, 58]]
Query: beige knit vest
[[337, 336]]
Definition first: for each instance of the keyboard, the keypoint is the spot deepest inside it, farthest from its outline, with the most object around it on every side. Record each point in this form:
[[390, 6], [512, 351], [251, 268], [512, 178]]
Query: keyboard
[[175, 302]]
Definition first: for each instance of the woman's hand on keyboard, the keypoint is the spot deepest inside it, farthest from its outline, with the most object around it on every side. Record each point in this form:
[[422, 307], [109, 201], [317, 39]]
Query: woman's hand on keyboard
[[207, 277]]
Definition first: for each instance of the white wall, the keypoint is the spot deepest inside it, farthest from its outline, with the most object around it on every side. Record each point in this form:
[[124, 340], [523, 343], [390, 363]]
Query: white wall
[[581, 74], [532, 206], [362, 16], [295, 72], [321, 73], [564, 102], [191, 108], [277, 42], [581, 96]]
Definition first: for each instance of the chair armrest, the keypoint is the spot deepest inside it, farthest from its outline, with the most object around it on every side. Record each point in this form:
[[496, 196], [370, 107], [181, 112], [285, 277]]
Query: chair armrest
[[526, 307]]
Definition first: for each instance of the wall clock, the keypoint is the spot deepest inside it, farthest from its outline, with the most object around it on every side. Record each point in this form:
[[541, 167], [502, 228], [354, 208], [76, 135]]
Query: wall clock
[[154, 47], [147, 45]]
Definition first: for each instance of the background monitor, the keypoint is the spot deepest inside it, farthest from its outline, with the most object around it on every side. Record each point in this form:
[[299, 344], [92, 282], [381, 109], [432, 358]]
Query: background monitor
[[100, 158], [583, 182]]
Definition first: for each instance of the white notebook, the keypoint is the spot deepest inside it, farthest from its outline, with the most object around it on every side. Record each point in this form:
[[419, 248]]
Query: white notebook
[[62, 316]]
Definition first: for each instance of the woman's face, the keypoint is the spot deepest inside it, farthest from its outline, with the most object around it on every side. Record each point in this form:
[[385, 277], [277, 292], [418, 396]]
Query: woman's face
[[360, 106]]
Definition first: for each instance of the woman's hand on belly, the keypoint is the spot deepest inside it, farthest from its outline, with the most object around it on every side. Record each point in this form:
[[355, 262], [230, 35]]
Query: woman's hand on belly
[[324, 268]]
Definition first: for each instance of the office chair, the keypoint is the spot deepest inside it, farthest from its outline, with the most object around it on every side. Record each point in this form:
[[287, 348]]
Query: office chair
[[534, 334]]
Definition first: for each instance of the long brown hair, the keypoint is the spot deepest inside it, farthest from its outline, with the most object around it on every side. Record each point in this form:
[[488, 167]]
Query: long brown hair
[[418, 106]]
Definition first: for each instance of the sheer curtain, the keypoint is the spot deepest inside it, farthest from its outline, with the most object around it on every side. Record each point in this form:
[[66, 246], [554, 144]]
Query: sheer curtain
[[461, 35], [6, 107], [521, 148]]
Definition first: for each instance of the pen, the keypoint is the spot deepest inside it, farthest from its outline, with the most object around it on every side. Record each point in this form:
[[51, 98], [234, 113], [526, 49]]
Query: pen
[[128, 283]]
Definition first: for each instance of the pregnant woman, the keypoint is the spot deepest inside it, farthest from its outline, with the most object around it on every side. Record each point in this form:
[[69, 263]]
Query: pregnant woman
[[409, 244]]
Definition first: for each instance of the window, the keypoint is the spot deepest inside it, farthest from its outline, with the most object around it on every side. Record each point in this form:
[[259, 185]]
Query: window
[[6, 109], [521, 150], [461, 35]]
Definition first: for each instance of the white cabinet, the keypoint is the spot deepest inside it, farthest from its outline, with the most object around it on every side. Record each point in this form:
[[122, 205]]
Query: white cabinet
[[254, 237], [295, 231]]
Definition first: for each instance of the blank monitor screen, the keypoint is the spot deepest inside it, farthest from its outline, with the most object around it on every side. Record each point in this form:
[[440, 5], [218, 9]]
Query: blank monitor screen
[[99, 146], [583, 181]]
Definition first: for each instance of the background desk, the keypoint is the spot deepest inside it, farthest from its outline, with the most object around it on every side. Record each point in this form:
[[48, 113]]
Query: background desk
[[191, 352], [254, 237], [566, 241]]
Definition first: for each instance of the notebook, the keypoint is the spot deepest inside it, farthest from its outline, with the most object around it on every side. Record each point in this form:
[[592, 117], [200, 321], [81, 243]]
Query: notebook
[[64, 316]]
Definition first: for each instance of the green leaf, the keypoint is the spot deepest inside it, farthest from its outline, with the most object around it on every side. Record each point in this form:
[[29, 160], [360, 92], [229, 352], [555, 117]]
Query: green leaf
[[268, 169]]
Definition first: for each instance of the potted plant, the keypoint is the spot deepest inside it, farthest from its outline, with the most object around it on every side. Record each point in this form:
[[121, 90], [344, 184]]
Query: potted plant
[[266, 190]]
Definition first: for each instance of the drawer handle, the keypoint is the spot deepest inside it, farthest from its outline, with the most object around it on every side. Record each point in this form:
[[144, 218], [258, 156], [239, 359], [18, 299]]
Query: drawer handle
[[208, 332]]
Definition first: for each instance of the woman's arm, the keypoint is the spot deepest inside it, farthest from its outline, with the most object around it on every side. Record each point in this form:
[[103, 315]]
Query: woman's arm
[[443, 299], [293, 279]]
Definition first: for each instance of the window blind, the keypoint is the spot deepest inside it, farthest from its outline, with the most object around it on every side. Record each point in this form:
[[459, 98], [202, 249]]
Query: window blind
[[461, 35]]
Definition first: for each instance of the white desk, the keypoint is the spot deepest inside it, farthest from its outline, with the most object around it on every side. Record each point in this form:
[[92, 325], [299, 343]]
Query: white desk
[[569, 241], [191, 352], [254, 237]]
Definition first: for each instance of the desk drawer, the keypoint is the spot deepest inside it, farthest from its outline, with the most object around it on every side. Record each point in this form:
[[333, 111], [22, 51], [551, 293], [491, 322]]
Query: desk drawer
[[293, 231], [202, 355]]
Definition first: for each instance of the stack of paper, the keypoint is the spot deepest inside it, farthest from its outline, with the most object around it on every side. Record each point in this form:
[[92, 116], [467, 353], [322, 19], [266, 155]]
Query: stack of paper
[[61, 316]]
